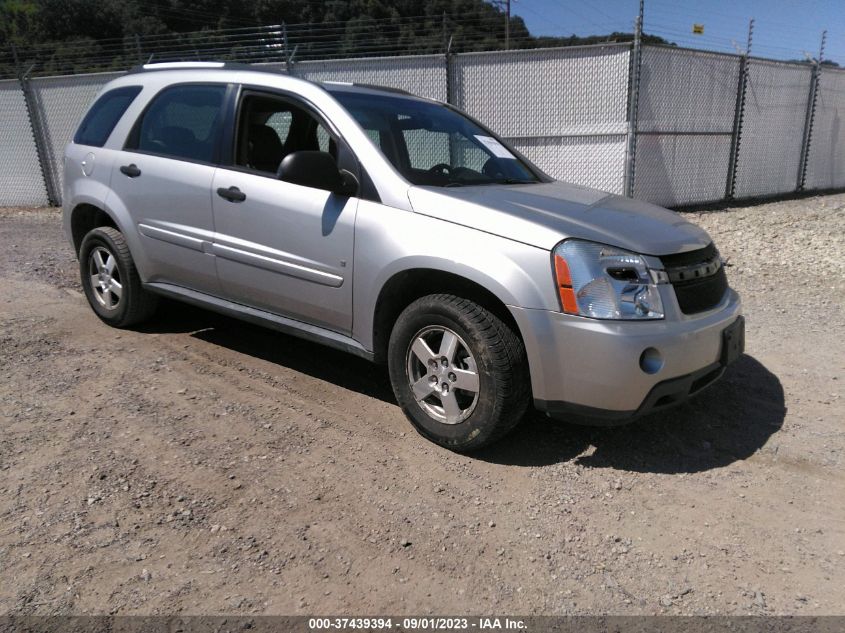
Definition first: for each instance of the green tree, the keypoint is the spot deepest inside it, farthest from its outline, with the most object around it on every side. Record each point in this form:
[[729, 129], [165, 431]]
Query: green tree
[[75, 35], [16, 20]]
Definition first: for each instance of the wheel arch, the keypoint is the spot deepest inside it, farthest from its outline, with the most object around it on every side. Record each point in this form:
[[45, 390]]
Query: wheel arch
[[406, 286], [86, 216]]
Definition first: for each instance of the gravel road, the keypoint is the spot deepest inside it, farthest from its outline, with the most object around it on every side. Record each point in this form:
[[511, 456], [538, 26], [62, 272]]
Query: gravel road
[[201, 465]]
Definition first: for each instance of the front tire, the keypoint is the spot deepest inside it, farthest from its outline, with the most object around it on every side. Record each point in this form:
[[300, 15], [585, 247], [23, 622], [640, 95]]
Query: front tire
[[110, 279], [459, 373]]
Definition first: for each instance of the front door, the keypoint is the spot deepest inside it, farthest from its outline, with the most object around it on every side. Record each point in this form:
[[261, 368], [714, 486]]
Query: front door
[[282, 247]]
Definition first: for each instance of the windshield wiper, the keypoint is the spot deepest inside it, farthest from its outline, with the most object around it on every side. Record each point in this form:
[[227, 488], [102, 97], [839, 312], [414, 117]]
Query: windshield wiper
[[506, 181], [515, 181]]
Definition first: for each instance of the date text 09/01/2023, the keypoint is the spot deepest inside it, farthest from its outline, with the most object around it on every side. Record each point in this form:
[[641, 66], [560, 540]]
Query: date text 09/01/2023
[[416, 624]]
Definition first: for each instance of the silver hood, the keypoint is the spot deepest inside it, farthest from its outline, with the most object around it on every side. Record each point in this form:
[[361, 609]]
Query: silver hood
[[544, 214]]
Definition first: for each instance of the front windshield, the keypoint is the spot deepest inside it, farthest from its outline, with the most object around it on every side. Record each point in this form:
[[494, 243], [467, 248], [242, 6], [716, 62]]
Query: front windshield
[[431, 144]]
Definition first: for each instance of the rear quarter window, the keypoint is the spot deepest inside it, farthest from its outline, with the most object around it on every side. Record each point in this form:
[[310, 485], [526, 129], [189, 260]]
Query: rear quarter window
[[104, 115]]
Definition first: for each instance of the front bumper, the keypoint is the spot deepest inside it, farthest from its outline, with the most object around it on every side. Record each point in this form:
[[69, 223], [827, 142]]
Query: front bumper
[[592, 367]]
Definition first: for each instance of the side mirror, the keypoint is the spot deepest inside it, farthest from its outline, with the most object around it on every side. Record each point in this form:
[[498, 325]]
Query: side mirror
[[317, 170]]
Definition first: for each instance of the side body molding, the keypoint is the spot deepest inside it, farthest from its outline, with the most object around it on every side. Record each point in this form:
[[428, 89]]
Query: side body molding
[[277, 264], [173, 237]]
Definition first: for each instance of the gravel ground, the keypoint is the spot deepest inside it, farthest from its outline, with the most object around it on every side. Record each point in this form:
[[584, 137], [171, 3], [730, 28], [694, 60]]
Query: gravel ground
[[201, 465]]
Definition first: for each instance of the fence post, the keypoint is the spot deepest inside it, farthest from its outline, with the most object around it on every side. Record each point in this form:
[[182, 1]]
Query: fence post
[[810, 117], [285, 42], [634, 69], [39, 135], [138, 50], [289, 54], [450, 81], [739, 113]]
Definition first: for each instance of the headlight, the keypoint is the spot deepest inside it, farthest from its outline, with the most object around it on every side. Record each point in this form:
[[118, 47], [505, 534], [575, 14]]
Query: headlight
[[604, 282]]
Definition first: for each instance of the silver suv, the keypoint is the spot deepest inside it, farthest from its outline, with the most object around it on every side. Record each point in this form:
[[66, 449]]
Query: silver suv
[[399, 229]]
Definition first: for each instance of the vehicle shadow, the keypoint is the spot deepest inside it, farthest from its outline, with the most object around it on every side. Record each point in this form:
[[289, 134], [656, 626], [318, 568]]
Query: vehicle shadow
[[311, 359], [727, 422]]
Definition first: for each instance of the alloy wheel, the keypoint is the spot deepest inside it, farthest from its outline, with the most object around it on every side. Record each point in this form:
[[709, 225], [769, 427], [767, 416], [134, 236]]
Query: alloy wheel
[[104, 277], [444, 382]]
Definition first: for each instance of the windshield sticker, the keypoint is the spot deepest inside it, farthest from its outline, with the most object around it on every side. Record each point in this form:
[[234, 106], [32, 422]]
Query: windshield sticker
[[499, 150]]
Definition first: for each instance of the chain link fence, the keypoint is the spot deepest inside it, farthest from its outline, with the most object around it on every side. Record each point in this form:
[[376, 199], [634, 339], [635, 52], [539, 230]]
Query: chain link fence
[[826, 156], [62, 102], [703, 127], [772, 133], [685, 122], [423, 75], [21, 179], [566, 108]]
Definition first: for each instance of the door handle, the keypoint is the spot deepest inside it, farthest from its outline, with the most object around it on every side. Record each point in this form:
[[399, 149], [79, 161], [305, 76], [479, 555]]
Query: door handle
[[232, 194], [130, 170]]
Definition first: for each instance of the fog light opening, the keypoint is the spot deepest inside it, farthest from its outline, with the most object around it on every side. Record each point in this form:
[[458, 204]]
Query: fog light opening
[[651, 361]]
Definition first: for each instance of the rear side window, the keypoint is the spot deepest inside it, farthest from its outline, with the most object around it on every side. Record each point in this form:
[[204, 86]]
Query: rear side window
[[104, 115], [181, 122]]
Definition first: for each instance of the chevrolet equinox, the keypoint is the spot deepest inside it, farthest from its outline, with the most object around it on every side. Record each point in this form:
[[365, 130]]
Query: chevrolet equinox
[[399, 229]]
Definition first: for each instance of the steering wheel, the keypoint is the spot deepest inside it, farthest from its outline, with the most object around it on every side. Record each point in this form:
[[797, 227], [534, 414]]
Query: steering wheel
[[492, 168], [440, 168]]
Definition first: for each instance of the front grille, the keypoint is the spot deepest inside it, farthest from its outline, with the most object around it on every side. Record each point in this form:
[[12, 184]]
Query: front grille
[[698, 279], [698, 295]]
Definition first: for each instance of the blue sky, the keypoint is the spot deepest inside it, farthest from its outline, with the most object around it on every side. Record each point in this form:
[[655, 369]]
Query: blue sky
[[783, 29]]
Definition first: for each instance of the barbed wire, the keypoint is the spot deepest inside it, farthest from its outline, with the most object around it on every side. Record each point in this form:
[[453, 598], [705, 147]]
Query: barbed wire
[[369, 37]]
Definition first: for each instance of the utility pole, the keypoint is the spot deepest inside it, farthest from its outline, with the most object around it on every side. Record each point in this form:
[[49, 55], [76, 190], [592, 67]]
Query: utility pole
[[508, 25], [506, 5]]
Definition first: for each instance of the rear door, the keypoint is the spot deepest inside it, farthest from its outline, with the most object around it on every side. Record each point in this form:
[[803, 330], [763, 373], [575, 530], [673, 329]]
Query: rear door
[[164, 177], [86, 156], [282, 247]]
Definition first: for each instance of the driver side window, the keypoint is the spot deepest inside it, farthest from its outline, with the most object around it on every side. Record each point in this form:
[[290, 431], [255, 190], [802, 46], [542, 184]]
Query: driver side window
[[270, 128]]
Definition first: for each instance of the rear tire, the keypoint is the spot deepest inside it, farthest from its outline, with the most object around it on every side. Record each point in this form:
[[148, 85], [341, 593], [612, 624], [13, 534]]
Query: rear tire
[[110, 279], [459, 373]]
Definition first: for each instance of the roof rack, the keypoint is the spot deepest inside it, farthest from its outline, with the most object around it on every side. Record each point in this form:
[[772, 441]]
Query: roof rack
[[153, 66], [169, 65], [355, 84], [195, 65]]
